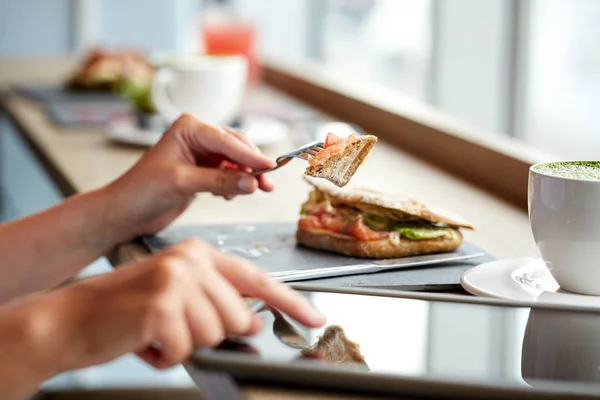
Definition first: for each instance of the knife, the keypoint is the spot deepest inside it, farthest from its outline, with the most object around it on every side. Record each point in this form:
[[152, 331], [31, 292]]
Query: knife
[[371, 267], [428, 287]]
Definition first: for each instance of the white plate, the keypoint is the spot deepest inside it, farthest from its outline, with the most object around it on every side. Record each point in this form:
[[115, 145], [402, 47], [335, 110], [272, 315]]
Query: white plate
[[262, 132], [521, 279], [128, 133]]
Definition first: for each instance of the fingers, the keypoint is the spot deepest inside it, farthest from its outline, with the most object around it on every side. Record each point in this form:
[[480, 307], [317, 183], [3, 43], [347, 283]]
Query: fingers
[[252, 282], [195, 300], [244, 278], [180, 314], [239, 152], [255, 326], [174, 342], [222, 141], [235, 315], [264, 182], [245, 139], [204, 321], [220, 182]]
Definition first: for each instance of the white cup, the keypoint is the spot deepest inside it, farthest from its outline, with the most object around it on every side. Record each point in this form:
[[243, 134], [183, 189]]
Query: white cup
[[564, 214], [212, 88]]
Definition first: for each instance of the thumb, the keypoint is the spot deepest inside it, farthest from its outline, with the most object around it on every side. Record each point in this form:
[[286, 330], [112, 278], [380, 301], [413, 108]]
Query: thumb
[[220, 182]]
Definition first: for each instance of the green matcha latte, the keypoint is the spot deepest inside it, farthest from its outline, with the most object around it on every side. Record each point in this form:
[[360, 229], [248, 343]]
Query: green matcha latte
[[570, 169]]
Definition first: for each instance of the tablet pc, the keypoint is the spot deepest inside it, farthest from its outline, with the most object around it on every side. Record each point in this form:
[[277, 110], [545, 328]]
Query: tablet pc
[[417, 344]]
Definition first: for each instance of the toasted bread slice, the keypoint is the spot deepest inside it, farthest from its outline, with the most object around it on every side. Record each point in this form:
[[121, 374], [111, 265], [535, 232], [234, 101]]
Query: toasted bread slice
[[385, 248], [333, 346], [339, 162]]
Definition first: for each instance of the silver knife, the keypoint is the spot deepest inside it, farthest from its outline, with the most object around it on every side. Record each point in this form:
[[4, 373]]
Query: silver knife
[[371, 267]]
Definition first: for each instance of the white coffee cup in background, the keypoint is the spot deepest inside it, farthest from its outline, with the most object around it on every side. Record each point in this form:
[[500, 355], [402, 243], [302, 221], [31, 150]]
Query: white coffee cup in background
[[212, 88], [564, 213]]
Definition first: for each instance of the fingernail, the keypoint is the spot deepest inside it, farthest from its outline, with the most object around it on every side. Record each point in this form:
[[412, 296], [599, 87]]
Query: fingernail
[[245, 184], [268, 180]]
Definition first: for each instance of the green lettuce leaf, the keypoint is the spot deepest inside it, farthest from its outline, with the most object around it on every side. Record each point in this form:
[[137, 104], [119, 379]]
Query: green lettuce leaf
[[415, 229], [423, 232]]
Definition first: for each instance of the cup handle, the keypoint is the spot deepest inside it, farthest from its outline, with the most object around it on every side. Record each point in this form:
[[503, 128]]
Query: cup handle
[[163, 104]]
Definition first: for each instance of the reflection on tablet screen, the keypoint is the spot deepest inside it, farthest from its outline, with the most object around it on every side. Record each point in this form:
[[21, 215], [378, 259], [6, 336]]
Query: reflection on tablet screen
[[458, 342]]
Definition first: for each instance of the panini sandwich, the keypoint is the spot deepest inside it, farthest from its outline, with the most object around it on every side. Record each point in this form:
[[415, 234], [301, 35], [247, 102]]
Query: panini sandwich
[[364, 223]]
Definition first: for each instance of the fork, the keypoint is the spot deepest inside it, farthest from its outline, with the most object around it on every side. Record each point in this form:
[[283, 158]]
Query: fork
[[304, 152], [282, 328]]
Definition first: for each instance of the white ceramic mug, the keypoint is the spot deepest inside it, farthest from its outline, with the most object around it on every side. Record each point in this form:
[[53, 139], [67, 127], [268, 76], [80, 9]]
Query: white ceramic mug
[[564, 214], [210, 87]]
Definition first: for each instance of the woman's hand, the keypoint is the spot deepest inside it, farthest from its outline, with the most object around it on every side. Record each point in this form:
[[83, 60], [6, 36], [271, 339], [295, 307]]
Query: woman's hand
[[191, 157], [161, 308], [44, 249]]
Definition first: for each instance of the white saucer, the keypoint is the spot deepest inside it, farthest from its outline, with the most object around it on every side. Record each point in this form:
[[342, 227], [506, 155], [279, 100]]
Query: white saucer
[[522, 279], [128, 133], [261, 131]]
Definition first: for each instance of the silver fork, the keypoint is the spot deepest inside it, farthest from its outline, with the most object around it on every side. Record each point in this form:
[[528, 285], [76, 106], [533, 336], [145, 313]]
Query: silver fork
[[304, 152], [282, 328]]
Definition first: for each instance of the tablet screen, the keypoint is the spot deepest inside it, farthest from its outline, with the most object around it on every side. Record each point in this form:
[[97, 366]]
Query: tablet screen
[[458, 342]]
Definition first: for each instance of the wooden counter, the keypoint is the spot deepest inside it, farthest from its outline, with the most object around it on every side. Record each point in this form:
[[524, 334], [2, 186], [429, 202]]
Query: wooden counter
[[80, 160]]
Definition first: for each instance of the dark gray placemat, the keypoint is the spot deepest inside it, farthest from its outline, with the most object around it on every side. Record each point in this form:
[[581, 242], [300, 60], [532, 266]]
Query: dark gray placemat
[[77, 108], [272, 246]]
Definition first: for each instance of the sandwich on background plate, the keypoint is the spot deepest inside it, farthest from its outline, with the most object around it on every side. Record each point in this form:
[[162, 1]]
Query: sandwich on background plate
[[364, 223], [340, 158]]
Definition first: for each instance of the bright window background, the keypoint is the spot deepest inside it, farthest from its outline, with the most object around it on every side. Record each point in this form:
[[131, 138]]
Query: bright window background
[[527, 68], [387, 41], [562, 84]]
